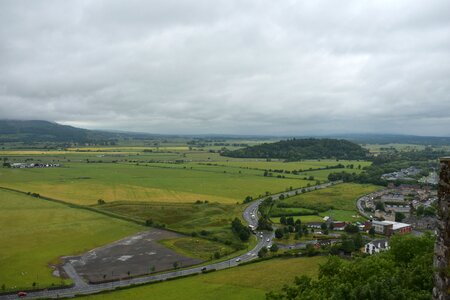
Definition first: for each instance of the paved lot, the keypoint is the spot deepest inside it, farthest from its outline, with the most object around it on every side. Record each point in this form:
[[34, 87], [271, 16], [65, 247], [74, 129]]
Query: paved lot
[[136, 254]]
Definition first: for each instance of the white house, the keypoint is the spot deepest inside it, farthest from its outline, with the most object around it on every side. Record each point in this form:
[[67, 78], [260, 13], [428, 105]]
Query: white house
[[376, 246]]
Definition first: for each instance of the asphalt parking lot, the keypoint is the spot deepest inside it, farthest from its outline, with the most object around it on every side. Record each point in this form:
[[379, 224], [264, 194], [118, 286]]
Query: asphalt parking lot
[[133, 256]]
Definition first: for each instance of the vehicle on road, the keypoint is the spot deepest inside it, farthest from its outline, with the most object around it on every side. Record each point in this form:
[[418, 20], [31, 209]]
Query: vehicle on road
[[238, 259], [21, 294], [268, 240], [203, 269]]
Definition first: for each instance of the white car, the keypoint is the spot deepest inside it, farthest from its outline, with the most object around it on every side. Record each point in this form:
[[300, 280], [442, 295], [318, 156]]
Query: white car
[[268, 240], [238, 259]]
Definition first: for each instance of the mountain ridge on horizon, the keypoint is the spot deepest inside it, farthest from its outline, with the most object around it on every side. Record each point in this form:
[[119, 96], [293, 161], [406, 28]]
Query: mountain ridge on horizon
[[12, 130]]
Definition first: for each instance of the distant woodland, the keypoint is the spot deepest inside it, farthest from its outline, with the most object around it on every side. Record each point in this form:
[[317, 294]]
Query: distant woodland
[[298, 149]]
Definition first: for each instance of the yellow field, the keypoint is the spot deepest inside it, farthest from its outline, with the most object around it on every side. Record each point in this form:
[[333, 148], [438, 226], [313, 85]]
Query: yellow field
[[135, 149], [57, 152], [88, 193]]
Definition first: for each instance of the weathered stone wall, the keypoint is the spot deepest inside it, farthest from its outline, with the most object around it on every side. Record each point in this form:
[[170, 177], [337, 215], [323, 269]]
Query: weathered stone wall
[[441, 251]]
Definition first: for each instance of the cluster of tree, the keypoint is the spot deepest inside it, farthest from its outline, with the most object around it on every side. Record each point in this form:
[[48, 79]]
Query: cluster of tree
[[241, 230], [264, 223], [399, 216], [403, 272], [291, 227], [266, 206], [351, 228], [248, 199], [348, 243], [297, 149], [201, 202], [289, 221], [425, 211]]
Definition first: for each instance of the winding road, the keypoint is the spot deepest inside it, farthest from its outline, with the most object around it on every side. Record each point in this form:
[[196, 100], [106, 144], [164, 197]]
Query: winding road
[[250, 215]]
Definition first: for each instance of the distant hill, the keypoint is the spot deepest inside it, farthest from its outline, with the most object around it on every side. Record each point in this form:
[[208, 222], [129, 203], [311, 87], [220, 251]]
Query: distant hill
[[297, 149], [395, 139], [44, 131]]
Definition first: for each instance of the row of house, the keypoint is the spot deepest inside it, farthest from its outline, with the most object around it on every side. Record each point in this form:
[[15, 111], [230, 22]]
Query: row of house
[[335, 225], [403, 174], [33, 165]]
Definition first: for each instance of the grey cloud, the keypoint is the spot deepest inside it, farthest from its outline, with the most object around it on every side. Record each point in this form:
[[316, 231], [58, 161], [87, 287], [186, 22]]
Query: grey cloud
[[253, 67]]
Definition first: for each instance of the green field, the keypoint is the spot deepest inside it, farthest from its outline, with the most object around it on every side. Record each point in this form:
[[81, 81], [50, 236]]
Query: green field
[[341, 196], [83, 183], [246, 282], [343, 215], [34, 233], [304, 165], [215, 218], [303, 219], [291, 211], [338, 202]]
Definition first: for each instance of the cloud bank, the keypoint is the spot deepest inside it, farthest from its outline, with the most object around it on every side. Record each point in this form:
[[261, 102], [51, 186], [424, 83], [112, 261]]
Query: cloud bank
[[241, 67]]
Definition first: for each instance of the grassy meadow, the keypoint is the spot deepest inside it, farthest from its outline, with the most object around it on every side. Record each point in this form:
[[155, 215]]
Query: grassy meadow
[[341, 196], [170, 173], [337, 201], [85, 183], [305, 165], [34, 233], [215, 218], [246, 282]]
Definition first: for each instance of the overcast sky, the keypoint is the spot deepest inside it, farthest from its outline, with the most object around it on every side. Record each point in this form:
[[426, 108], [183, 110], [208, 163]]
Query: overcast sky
[[223, 66]]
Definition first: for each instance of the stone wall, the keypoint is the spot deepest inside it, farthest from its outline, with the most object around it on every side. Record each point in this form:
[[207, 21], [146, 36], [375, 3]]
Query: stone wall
[[442, 247]]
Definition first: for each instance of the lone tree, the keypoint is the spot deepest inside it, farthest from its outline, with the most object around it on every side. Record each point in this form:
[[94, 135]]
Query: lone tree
[[399, 216], [263, 252], [274, 248], [279, 233]]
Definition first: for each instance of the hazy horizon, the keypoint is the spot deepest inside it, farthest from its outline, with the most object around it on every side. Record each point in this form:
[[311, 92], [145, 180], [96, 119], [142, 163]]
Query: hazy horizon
[[232, 68]]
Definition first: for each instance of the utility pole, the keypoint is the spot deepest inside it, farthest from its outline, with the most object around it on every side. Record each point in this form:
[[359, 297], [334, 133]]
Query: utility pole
[[442, 246]]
